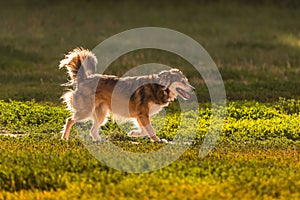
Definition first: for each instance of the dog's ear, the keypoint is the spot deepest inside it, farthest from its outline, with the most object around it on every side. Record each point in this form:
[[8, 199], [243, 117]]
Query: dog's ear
[[164, 78]]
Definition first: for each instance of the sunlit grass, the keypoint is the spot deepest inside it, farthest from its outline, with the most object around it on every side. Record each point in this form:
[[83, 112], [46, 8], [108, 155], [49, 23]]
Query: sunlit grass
[[292, 40]]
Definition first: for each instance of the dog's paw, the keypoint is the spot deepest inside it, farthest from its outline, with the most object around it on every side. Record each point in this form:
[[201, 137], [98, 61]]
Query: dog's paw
[[96, 138], [154, 138], [136, 134], [164, 141], [64, 137]]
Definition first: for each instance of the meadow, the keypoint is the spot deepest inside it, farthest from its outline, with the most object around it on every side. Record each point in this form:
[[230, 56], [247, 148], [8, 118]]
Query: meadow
[[256, 47], [257, 156]]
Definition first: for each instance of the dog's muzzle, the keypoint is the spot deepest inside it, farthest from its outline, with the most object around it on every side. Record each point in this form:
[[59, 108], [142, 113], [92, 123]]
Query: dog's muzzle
[[184, 93]]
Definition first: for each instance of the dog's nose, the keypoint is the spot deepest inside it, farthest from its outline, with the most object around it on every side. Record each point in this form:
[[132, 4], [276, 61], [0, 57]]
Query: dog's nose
[[193, 89]]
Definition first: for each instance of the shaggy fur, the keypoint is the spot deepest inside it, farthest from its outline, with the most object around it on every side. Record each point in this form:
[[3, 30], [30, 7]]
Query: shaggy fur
[[96, 96]]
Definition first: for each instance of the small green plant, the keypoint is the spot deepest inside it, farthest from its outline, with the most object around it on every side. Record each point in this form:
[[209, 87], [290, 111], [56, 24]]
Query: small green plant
[[19, 117]]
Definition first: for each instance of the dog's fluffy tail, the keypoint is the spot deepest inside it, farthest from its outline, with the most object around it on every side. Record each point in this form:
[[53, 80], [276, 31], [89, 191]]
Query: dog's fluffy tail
[[80, 63]]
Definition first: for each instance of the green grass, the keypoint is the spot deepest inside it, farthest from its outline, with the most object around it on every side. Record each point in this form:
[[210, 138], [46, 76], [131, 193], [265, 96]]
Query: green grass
[[255, 45], [257, 156], [39, 167]]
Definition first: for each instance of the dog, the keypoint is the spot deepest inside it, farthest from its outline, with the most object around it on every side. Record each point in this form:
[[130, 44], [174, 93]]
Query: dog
[[97, 96]]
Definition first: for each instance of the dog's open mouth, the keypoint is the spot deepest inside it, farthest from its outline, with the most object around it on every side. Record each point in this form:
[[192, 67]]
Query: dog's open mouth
[[183, 94]]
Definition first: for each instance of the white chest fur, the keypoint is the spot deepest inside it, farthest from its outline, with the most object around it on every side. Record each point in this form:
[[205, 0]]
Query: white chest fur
[[154, 109]]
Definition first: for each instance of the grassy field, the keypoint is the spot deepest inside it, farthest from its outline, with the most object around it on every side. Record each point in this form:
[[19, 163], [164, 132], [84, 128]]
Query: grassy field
[[257, 156], [256, 46]]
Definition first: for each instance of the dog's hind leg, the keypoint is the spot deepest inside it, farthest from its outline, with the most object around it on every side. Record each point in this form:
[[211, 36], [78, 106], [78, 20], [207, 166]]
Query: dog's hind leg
[[94, 130], [77, 116], [67, 128], [99, 119]]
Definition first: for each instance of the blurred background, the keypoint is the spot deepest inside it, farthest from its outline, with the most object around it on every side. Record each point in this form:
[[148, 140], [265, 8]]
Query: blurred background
[[255, 44]]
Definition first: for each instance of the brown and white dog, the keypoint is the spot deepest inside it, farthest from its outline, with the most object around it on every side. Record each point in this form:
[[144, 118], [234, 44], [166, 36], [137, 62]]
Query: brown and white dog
[[97, 96]]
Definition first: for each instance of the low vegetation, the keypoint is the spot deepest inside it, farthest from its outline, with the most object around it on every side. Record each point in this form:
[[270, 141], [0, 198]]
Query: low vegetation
[[257, 155]]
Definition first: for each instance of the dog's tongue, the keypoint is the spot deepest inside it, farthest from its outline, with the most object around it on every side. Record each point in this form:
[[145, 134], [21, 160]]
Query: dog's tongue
[[183, 93]]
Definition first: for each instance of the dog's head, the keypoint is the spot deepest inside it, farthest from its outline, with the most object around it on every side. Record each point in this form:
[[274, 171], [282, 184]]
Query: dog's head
[[176, 82]]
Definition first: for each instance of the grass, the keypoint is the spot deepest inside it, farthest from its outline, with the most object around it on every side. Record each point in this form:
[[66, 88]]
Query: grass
[[255, 45], [257, 156], [58, 170]]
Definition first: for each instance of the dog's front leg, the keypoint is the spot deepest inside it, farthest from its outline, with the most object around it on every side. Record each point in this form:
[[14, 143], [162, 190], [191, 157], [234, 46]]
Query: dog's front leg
[[145, 125], [149, 129]]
